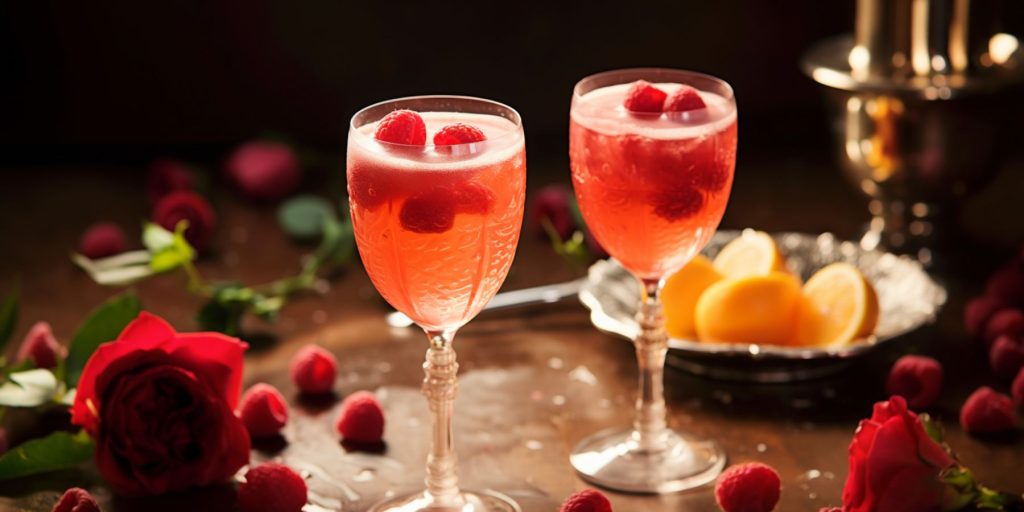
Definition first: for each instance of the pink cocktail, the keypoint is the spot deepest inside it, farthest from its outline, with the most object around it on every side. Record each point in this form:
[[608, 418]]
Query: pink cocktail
[[436, 190], [652, 153]]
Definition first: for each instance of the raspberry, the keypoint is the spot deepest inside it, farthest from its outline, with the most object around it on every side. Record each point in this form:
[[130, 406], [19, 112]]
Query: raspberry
[[679, 202], [1006, 321], [41, 347], [402, 127], [588, 500], [1006, 357], [751, 487], [987, 411], [684, 99], [165, 176], [272, 487], [101, 240], [76, 499], [552, 203], [190, 207], [431, 211], [361, 418], [710, 177], [370, 188], [644, 97], [473, 198], [978, 312], [264, 170], [917, 379], [454, 134], [1007, 285], [1017, 389], [313, 370], [263, 410]]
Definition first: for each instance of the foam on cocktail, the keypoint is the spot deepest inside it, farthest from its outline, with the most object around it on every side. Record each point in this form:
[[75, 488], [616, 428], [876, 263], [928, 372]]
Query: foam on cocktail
[[602, 110]]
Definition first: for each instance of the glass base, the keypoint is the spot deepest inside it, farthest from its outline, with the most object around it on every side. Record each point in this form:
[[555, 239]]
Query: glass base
[[485, 501], [613, 459]]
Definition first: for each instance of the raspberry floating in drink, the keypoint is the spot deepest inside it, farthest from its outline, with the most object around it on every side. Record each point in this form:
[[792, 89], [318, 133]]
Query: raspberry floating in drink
[[645, 98], [402, 127]]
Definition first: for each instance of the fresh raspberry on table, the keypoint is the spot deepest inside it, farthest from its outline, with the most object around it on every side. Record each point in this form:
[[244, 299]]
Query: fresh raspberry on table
[[458, 133], [1006, 321], [1006, 356], [190, 207], [361, 418], [1007, 285], [918, 379], [552, 203], [588, 500], [987, 411], [1017, 389], [76, 499], [100, 240], [430, 211], [978, 312], [272, 487], [41, 346], [644, 97], [166, 175], [402, 127], [263, 411], [750, 487], [313, 370], [264, 170], [684, 99]]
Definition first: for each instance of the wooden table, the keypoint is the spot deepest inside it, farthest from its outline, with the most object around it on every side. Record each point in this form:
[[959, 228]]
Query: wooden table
[[533, 382]]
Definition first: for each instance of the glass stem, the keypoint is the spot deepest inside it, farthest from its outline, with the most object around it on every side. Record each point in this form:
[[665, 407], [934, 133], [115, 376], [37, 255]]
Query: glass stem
[[439, 386], [649, 428]]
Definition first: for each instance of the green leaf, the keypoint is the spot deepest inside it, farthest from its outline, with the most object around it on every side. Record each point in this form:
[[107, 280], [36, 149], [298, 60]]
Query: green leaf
[[103, 325], [8, 317], [156, 238], [338, 243], [223, 312], [59, 450], [267, 308], [303, 217], [931, 427], [28, 389], [169, 250], [105, 274]]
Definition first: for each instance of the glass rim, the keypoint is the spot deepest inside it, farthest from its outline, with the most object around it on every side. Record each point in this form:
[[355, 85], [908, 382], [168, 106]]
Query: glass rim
[[516, 119], [731, 97]]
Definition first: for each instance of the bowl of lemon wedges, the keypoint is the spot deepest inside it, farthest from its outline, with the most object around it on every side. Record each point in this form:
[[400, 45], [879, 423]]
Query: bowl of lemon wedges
[[773, 307]]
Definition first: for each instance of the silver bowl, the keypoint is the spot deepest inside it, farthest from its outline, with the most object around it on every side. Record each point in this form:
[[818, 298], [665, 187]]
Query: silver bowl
[[908, 299]]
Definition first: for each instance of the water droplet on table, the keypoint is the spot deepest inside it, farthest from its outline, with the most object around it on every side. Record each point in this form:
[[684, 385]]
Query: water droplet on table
[[583, 374], [365, 475], [761, 447], [558, 400], [534, 445], [556, 363]]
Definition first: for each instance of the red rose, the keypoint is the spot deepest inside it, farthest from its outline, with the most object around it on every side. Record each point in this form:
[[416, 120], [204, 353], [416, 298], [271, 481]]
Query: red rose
[[264, 170], [165, 176], [160, 406], [894, 465], [191, 207]]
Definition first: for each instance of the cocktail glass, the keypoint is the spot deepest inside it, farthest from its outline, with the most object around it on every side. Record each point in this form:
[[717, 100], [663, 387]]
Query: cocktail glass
[[652, 189], [437, 228]]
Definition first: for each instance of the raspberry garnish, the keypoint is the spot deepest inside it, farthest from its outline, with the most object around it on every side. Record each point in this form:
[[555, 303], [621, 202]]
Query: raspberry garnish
[[474, 198], [1006, 321], [263, 411], [402, 127], [431, 211], [458, 133], [644, 97], [76, 499], [272, 487], [679, 202], [751, 487], [101, 240], [987, 411], [917, 379], [1006, 357], [361, 418], [313, 370], [190, 207], [1007, 285], [684, 99], [1017, 389], [41, 346], [978, 312], [588, 500]]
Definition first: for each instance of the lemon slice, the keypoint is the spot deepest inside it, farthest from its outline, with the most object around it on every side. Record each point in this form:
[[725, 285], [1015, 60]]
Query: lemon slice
[[839, 306], [681, 292], [753, 253], [752, 309]]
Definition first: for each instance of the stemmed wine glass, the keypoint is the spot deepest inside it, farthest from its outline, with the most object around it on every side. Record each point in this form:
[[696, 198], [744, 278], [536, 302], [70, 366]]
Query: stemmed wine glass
[[437, 212], [652, 182]]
